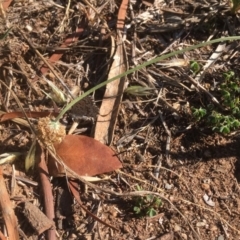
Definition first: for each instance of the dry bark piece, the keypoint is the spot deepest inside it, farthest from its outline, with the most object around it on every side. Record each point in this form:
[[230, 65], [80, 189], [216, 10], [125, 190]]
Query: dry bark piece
[[38, 220], [7, 210], [107, 118], [108, 113], [83, 155]]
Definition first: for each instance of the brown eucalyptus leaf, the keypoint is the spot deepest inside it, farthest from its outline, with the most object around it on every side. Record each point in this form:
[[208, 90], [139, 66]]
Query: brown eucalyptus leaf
[[83, 155]]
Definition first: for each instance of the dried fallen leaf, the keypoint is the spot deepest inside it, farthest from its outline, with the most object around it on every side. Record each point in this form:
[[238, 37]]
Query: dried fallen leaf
[[30, 158], [13, 115], [83, 155]]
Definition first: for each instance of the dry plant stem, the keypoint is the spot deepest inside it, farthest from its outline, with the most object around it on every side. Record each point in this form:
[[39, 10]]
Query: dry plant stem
[[7, 210], [168, 138], [10, 81], [46, 62], [59, 6], [96, 11], [153, 186], [47, 191], [158, 166], [66, 16], [167, 104], [199, 86]]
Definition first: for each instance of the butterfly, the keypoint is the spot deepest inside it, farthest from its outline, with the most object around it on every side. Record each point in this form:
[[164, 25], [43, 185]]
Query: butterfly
[[85, 110]]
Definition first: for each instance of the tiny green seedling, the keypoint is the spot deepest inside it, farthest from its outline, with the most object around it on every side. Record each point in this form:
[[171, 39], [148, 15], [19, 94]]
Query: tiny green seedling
[[195, 67], [146, 205], [199, 113]]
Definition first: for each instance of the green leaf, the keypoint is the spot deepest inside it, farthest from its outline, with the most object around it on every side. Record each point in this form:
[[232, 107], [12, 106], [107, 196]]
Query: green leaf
[[226, 94], [228, 75], [195, 67], [199, 113], [225, 129], [137, 210], [235, 124], [158, 202], [151, 212]]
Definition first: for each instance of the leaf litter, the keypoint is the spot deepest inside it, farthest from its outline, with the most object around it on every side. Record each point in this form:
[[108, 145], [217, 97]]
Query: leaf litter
[[82, 44]]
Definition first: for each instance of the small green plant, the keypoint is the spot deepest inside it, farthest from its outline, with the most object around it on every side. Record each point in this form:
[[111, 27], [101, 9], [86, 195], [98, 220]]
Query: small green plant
[[146, 205], [227, 121], [199, 113], [195, 67]]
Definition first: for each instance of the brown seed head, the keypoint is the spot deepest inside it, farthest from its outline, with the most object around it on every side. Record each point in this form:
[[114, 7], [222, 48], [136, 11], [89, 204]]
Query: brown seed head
[[50, 132]]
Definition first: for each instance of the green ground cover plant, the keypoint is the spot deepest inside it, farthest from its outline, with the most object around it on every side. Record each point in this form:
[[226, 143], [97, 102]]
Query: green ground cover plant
[[227, 119], [146, 205]]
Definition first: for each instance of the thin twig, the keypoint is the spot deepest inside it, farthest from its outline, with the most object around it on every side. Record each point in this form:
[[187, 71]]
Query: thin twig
[[199, 86], [158, 166], [168, 143], [66, 16], [47, 191]]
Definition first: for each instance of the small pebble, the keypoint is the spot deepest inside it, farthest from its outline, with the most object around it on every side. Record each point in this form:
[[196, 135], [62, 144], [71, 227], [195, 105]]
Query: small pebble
[[168, 186], [205, 186], [221, 237], [177, 228]]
